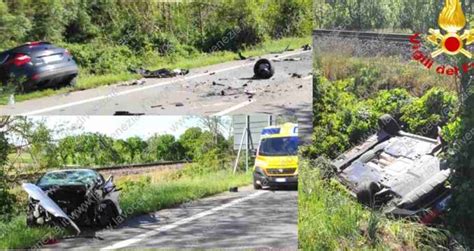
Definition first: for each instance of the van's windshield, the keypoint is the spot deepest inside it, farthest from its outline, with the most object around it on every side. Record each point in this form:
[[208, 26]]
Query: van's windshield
[[285, 146]]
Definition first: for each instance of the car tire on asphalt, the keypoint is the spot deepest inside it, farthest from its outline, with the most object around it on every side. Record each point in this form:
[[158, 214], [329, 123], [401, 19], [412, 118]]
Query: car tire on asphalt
[[366, 193], [255, 185], [72, 82], [389, 124], [263, 69]]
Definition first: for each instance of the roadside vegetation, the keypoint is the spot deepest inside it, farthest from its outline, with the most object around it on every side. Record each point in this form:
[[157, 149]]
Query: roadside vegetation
[[348, 105], [382, 15], [110, 38], [355, 83], [209, 172], [331, 219]]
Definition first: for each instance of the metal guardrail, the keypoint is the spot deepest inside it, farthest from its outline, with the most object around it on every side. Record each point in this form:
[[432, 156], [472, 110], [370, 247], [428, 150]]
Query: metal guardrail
[[364, 35]]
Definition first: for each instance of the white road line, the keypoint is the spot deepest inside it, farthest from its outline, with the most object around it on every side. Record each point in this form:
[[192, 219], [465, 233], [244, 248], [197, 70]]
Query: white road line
[[246, 103], [139, 89], [233, 108], [150, 233]]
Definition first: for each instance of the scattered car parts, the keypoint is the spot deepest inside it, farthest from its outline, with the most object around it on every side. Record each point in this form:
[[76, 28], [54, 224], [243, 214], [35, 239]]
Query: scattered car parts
[[127, 113], [263, 69], [162, 73], [79, 197], [397, 172], [306, 47]]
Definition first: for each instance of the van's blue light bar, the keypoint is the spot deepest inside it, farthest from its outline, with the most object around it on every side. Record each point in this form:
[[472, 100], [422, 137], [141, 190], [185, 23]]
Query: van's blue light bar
[[269, 131]]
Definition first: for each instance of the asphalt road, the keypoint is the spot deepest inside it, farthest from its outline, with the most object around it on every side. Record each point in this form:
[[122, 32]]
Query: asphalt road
[[247, 219], [193, 94]]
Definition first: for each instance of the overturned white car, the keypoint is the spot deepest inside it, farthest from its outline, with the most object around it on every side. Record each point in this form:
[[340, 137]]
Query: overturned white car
[[78, 197], [398, 172]]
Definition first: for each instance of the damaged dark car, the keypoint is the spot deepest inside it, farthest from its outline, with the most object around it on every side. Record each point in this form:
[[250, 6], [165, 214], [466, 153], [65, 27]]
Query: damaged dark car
[[397, 172], [72, 198]]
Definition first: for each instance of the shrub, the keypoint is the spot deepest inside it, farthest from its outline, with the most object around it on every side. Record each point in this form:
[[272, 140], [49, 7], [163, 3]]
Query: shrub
[[6, 199], [391, 102], [97, 58], [436, 108]]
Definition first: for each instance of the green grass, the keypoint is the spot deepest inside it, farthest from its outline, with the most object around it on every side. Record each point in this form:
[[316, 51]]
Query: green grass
[[383, 72], [172, 62], [175, 192], [330, 219], [136, 198], [15, 234]]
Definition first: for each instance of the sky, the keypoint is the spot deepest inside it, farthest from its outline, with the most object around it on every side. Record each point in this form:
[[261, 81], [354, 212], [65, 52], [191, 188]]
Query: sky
[[119, 127]]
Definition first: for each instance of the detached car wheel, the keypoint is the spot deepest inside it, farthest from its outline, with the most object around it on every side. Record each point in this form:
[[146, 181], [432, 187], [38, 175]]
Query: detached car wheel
[[389, 124], [264, 69], [366, 193]]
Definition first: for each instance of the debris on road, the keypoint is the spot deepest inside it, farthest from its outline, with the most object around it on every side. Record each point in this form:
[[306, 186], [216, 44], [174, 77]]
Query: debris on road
[[296, 75], [215, 83], [233, 189], [179, 104], [306, 47], [156, 106], [133, 82], [161, 73], [127, 113], [242, 57], [263, 69], [292, 59], [249, 93]]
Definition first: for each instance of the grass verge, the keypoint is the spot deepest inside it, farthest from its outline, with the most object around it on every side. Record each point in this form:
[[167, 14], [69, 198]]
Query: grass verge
[[138, 197], [173, 61], [330, 219]]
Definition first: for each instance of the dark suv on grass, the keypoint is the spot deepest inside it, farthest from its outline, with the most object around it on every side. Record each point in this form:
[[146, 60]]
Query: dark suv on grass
[[37, 65]]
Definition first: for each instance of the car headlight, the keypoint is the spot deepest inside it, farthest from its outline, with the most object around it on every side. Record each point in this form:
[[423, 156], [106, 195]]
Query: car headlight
[[259, 170]]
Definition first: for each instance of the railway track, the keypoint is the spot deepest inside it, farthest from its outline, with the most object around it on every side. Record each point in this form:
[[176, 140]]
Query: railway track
[[364, 35], [114, 170]]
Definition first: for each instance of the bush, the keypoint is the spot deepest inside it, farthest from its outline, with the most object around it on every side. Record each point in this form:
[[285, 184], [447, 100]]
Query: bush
[[343, 119], [436, 108], [98, 58], [7, 200], [391, 102]]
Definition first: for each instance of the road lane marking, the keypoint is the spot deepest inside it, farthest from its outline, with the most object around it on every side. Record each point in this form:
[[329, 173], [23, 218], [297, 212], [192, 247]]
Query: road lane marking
[[246, 103], [235, 107], [139, 89], [150, 233]]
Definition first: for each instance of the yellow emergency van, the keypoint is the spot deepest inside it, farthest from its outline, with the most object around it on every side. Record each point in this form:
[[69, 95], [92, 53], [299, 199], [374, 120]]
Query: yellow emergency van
[[276, 163]]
